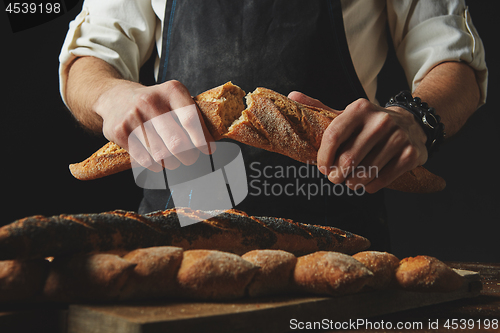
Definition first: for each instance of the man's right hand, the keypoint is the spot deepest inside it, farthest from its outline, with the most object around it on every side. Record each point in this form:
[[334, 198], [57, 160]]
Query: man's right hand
[[158, 125]]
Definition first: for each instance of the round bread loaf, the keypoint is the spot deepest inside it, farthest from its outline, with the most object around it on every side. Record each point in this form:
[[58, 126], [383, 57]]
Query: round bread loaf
[[155, 272], [330, 273], [214, 275], [383, 266], [22, 280], [274, 274], [94, 277], [425, 273]]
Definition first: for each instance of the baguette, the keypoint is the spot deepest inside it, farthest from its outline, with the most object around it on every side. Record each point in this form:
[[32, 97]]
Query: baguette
[[169, 272], [231, 231], [427, 274], [271, 121]]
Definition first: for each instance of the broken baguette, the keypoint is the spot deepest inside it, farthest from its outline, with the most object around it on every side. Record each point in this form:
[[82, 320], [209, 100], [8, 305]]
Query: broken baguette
[[271, 121]]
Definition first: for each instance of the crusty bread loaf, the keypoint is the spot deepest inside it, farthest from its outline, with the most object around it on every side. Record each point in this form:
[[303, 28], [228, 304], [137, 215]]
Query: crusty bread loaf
[[425, 273], [22, 280], [383, 266], [330, 273], [220, 107], [271, 121], [214, 275], [276, 123], [94, 277], [154, 274], [275, 272], [232, 231], [169, 272], [108, 160]]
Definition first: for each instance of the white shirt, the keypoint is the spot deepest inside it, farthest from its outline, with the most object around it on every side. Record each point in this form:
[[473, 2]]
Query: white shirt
[[425, 33]]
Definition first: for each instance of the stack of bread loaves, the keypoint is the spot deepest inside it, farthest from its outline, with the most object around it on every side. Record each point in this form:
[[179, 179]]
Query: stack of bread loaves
[[170, 272], [122, 255]]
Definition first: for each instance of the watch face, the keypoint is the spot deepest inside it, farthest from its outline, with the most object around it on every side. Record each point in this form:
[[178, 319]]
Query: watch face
[[429, 120]]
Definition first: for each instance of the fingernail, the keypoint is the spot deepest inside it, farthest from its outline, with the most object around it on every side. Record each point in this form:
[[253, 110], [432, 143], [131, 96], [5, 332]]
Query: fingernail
[[332, 176]]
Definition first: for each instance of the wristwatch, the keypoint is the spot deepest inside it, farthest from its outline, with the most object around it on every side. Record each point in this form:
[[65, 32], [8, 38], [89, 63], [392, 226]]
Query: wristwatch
[[426, 116]]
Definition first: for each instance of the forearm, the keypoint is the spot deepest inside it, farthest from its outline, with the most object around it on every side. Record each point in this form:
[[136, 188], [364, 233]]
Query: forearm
[[88, 79], [451, 89]]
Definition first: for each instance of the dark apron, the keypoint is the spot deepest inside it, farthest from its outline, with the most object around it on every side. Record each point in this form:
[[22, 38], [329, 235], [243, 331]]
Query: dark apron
[[282, 45]]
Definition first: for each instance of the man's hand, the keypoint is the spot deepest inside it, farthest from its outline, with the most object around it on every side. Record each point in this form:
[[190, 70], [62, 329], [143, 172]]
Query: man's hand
[[158, 125], [368, 145]]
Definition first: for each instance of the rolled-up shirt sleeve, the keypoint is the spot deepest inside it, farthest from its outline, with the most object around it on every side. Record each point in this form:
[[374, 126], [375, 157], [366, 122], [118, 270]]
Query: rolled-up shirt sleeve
[[122, 33], [427, 33]]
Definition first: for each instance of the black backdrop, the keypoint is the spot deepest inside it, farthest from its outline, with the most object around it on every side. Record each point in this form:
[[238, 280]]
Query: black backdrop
[[40, 139]]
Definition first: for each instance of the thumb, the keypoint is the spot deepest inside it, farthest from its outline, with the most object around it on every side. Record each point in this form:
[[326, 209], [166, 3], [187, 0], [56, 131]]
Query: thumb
[[306, 100]]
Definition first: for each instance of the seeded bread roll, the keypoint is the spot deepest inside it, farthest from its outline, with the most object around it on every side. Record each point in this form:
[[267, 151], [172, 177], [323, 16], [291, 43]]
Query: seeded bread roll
[[383, 266], [427, 274], [214, 275], [275, 272], [330, 273]]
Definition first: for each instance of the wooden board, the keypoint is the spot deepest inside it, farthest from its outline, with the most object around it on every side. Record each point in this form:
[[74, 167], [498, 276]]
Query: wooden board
[[252, 315]]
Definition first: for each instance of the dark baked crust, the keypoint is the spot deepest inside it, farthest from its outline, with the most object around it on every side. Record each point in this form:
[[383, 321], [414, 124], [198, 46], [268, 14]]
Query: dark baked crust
[[231, 231]]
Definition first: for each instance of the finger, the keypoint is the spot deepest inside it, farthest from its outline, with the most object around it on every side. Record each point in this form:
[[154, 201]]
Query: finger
[[369, 142], [381, 155], [175, 138], [394, 168], [157, 147], [306, 100], [335, 135], [138, 151], [190, 119]]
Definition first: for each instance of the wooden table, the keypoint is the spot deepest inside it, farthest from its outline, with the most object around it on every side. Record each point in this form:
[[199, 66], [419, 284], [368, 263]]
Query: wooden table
[[274, 314], [477, 310]]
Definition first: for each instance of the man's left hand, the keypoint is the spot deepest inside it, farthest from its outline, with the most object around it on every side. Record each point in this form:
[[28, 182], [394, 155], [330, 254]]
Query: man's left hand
[[368, 145]]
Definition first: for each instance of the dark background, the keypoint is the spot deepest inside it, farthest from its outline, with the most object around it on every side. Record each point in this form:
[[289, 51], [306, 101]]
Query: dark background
[[40, 139]]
